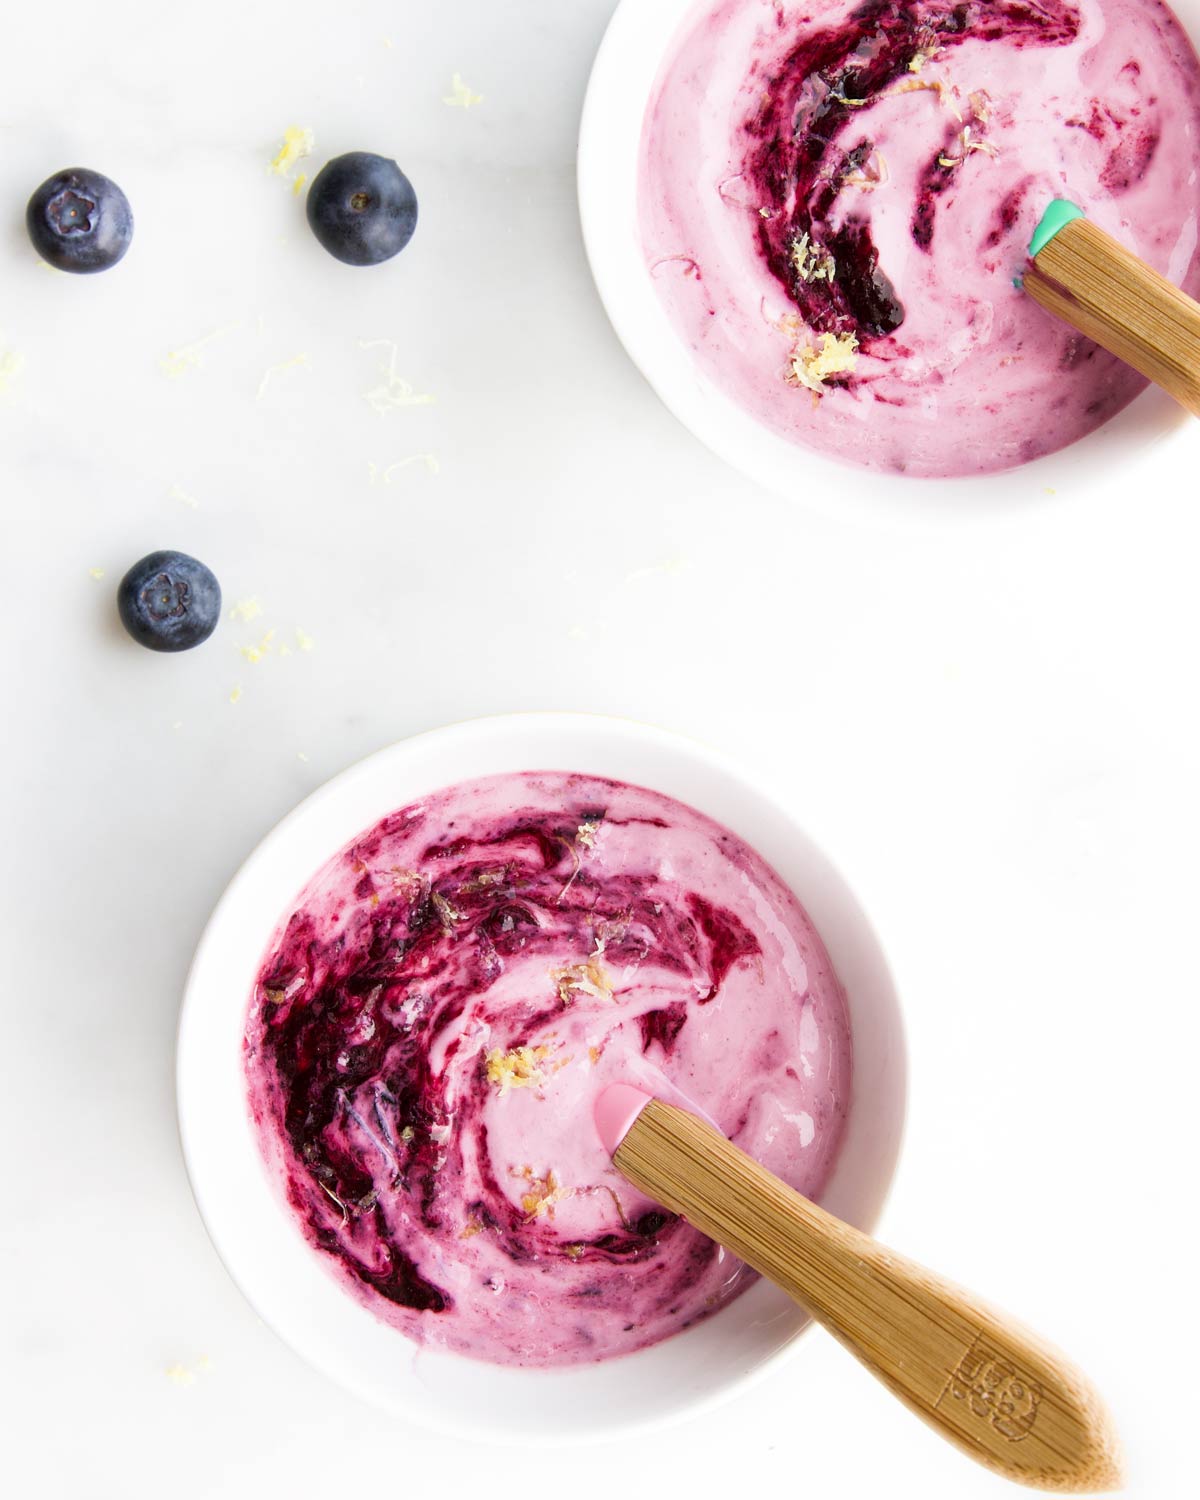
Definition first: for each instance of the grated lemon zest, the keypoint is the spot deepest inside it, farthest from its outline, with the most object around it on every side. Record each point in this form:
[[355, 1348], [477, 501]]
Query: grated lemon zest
[[462, 96], [588, 978], [297, 362], [180, 1374], [255, 654], [177, 492], [187, 357], [811, 260], [870, 178], [303, 640], [298, 142], [11, 365], [430, 460], [96, 573], [544, 1193], [247, 609], [670, 566], [236, 693], [394, 390], [812, 366], [909, 86], [966, 145], [519, 1068], [448, 914]]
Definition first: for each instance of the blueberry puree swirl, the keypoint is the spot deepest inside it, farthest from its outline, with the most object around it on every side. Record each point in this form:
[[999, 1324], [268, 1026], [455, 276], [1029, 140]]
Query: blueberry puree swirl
[[810, 143], [836, 197], [432, 1023]]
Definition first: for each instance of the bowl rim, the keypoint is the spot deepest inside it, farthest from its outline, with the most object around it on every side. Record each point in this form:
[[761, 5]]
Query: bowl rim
[[189, 1120]]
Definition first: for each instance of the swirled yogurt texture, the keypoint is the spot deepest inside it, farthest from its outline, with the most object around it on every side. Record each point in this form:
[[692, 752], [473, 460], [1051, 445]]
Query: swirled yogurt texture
[[435, 1018], [836, 199]]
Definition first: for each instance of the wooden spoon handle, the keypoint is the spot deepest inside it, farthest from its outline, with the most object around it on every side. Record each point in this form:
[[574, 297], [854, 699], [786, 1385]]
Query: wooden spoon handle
[[1091, 281], [999, 1392]]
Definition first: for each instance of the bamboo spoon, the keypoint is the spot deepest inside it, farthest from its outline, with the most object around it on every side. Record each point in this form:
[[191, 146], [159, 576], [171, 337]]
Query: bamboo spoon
[[1088, 279], [980, 1379]]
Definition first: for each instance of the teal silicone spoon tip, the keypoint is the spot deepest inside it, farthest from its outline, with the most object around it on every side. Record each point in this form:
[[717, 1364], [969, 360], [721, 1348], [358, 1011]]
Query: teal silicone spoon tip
[[1056, 218]]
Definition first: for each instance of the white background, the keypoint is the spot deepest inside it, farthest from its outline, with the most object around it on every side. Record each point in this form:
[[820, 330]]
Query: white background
[[988, 719]]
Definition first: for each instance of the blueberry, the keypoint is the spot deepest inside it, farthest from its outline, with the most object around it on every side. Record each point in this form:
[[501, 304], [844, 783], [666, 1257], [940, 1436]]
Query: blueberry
[[362, 208], [79, 221], [169, 602]]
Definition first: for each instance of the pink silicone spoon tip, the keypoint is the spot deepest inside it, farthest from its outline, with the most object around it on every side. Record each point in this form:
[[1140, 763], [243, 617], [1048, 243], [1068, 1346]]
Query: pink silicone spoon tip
[[616, 1109]]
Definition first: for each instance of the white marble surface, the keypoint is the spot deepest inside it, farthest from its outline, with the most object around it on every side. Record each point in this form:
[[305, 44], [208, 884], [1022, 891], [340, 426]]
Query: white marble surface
[[990, 720]]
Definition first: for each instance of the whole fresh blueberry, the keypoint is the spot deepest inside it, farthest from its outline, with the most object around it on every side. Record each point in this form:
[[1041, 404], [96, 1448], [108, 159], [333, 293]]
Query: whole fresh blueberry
[[169, 601], [362, 208], [79, 221]]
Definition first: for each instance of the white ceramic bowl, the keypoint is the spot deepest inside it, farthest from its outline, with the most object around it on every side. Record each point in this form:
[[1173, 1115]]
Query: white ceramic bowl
[[1152, 430], [265, 1253]]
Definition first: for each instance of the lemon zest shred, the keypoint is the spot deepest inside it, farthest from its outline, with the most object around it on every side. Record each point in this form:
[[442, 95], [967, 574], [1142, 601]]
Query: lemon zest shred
[[430, 460], [11, 365], [585, 836], [301, 361], [247, 609], [871, 177], [298, 142], [813, 364], [544, 1193], [187, 357], [670, 567], [393, 390], [177, 492], [588, 978], [811, 260], [462, 96], [519, 1068], [255, 654]]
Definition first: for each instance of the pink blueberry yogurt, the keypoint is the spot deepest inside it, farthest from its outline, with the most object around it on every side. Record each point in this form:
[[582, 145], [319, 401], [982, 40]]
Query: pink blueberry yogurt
[[836, 199], [435, 1019]]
